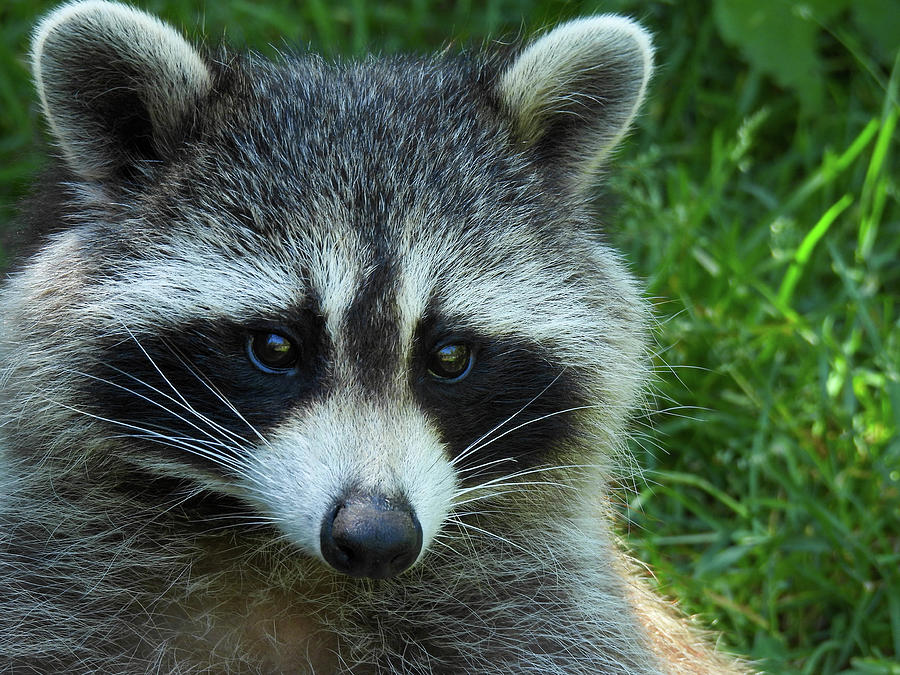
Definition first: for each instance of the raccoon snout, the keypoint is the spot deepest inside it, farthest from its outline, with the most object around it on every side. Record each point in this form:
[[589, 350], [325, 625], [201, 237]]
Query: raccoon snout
[[371, 536]]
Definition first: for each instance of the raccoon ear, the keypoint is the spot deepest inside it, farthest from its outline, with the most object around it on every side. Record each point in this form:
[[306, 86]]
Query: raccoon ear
[[115, 85], [573, 92]]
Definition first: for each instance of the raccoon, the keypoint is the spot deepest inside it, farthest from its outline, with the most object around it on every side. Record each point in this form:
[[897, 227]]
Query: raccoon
[[322, 367]]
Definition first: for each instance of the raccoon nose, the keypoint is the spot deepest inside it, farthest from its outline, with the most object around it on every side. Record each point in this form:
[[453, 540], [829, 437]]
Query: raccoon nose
[[370, 536]]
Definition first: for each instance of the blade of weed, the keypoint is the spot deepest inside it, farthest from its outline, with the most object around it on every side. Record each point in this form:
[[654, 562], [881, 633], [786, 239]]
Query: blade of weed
[[874, 194], [830, 169], [801, 257], [671, 477]]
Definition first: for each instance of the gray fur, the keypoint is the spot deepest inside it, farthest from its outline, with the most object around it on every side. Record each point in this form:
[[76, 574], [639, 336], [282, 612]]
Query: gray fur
[[202, 192]]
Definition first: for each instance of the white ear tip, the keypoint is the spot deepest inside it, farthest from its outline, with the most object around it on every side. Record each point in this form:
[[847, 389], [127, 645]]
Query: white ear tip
[[616, 23], [614, 31], [629, 30], [65, 13]]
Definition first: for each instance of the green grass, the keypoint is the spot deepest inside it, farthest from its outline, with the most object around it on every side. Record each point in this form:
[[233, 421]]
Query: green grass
[[768, 231]]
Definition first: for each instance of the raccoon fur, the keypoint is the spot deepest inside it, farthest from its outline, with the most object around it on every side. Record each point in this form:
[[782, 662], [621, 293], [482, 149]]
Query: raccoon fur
[[323, 367]]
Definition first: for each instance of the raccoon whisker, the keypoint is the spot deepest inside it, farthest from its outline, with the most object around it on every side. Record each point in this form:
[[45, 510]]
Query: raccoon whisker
[[480, 443], [497, 508], [161, 439], [249, 523], [642, 440], [474, 445], [222, 528], [213, 390], [517, 474], [440, 539], [445, 555], [474, 477], [491, 495], [207, 449], [498, 486], [488, 533], [156, 403], [231, 459], [480, 512], [502, 482], [155, 367], [211, 441], [200, 416], [210, 445], [187, 405], [672, 412], [473, 471], [510, 488], [244, 517], [216, 458], [196, 491], [197, 447], [461, 533], [228, 462], [449, 556], [532, 421]]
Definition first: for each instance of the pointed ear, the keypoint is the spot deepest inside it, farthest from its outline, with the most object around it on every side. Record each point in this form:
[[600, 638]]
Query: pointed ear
[[573, 92], [116, 85]]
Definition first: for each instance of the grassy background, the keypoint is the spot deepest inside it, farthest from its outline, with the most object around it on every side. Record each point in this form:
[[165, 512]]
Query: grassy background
[[762, 211]]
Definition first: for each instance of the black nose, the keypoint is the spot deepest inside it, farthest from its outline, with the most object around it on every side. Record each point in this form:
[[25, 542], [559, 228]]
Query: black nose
[[371, 536]]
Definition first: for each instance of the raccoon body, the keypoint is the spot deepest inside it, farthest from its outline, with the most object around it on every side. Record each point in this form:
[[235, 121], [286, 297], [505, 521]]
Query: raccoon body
[[321, 367]]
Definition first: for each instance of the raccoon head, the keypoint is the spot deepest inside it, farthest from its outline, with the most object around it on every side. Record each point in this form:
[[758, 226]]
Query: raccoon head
[[355, 297]]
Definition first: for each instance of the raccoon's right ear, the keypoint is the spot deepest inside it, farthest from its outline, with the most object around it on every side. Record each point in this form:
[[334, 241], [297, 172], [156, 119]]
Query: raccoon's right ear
[[116, 85], [573, 92]]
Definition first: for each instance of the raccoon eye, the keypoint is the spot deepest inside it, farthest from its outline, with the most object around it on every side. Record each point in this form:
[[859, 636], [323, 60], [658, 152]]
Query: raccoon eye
[[450, 362], [272, 352]]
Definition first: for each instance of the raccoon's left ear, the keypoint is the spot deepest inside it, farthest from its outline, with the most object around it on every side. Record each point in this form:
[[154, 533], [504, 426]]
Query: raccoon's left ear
[[573, 92], [116, 86]]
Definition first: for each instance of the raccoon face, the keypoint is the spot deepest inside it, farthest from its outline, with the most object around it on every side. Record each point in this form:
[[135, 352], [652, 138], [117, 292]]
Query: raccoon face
[[353, 297]]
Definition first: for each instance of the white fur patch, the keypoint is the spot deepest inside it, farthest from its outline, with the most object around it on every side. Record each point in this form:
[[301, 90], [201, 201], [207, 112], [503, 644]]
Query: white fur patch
[[193, 278], [345, 442]]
